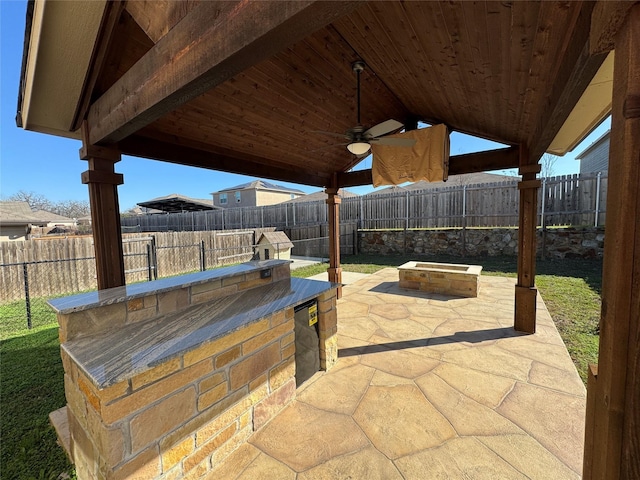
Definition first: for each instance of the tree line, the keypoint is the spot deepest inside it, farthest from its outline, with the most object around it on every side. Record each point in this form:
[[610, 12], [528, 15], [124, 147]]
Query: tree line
[[66, 208]]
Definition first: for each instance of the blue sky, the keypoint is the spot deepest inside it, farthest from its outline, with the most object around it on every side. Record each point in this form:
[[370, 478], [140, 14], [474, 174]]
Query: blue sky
[[50, 165]]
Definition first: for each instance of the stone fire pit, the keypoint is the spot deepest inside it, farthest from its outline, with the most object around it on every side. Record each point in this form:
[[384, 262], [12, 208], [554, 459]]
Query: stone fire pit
[[443, 278]]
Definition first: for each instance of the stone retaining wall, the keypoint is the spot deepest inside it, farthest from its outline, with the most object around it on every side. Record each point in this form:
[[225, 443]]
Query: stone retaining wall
[[551, 243]]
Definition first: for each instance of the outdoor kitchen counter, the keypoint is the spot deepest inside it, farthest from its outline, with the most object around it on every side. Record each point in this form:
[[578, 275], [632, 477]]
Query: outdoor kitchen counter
[[101, 298], [116, 355]]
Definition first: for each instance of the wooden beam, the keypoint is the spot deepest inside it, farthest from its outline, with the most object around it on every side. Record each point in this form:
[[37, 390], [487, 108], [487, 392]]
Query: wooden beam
[[614, 451], [105, 214], [525, 293], [333, 204], [577, 69], [606, 19], [156, 18], [355, 179], [110, 17], [211, 44], [499, 159], [242, 164]]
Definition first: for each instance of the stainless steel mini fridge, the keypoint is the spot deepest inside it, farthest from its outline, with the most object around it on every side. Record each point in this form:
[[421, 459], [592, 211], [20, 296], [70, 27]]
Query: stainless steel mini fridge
[[307, 341]]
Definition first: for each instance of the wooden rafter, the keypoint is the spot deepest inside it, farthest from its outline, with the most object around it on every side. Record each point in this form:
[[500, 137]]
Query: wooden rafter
[[208, 46]]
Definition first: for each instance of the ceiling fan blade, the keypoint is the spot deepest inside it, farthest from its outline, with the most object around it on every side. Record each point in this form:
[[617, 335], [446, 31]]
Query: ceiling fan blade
[[383, 128], [395, 142], [332, 134]]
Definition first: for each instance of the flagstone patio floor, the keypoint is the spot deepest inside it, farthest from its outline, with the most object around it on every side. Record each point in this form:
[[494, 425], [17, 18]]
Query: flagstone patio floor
[[428, 387]]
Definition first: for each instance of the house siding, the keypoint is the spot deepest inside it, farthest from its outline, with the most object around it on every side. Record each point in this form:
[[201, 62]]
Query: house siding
[[596, 160]]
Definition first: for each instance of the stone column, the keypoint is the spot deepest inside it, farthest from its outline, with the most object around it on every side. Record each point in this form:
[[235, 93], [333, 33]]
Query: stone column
[[334, 271], [525, 300]]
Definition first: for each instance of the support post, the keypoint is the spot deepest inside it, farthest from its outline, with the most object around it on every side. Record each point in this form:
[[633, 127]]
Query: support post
[[525, 300], [333, 205], [612, 440], [105, 211]]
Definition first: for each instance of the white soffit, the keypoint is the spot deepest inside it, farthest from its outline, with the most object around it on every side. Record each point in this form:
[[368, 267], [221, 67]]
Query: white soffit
[[592, 108], [63, 36]]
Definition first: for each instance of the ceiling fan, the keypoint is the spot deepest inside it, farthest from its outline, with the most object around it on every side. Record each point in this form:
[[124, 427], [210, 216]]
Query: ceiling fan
[[359, 138]]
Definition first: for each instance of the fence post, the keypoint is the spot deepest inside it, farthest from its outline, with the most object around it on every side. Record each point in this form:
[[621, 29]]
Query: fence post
[[149, 263], [464, 220], [543, 221], [598, 180], [26, 293], [154, 253], [203, 261], [355, 241]]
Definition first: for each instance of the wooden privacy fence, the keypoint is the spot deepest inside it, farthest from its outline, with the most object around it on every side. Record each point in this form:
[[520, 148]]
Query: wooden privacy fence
[[45, 268], [571, 200]]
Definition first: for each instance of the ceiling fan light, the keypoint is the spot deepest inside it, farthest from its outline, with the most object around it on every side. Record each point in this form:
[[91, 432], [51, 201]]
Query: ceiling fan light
[[358, 148]]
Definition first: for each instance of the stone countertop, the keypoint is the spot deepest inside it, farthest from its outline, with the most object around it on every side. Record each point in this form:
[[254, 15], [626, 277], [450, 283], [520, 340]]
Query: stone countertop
[[86, 301], [111, 357]]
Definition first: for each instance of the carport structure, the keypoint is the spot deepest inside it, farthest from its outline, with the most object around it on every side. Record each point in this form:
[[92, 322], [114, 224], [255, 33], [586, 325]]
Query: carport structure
[[244, 86]]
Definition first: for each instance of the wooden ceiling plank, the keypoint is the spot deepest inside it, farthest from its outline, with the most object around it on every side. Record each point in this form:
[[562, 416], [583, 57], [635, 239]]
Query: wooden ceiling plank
[[486, 67], [155, 149], [557, 20], [370, 39], [453, 14], [239, 137], [177, 142], [207, 47], [244, 143], [439, 94], [524, 21], [577, 68], [499, 159], [194, 123], [157, 17]]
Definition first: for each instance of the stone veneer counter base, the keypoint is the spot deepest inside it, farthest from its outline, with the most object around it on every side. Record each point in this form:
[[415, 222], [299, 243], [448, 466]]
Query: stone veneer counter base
[[166, 379], [114, 356]]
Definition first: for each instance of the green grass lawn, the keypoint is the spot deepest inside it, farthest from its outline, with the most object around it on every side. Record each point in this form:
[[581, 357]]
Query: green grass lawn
[[31, 388], [32, 376]]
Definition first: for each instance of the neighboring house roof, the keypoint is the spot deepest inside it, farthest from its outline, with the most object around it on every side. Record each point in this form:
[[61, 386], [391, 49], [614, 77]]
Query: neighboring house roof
[[454, 180], [178, 203], [277, 239], [320, 196], [261, 185], [19, 213], [52, 217], [603, 138]]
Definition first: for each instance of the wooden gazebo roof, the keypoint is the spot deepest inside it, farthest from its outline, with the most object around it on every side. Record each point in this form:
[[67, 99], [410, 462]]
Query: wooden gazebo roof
[[245, 87]]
